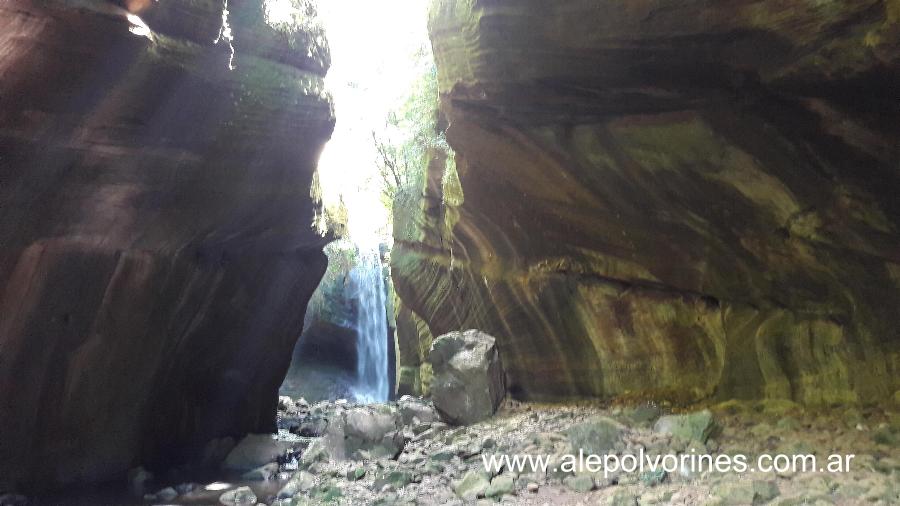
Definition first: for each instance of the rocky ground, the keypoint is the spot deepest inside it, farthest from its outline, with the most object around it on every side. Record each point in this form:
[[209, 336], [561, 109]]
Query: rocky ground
[[401, 453]]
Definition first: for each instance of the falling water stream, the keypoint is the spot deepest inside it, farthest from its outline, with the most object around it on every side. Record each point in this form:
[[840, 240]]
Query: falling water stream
[[372, 72], [371, 326]]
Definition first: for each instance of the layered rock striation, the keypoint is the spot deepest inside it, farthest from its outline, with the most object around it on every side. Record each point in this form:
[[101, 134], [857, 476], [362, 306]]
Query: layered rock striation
[[666, 199], [156, 247]]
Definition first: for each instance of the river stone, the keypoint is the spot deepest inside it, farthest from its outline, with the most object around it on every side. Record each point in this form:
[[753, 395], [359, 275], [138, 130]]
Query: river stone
[[653, 478], [595, 436], [764, 491], [300, 482], [412, 409], [356, 473], [373, 430], [697, 426], [242, 496], [328, 493], [364, 432], [734, 492], [744, 492], [581, 483], [396, 479], [290, 489], [621, 498], [644, 414], [471, 486], [468, 382], [316, 452], [311, 426], [501, 485]]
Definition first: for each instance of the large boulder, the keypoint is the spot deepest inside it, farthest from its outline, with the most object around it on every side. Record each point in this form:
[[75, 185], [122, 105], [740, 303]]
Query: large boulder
[[468, 382]]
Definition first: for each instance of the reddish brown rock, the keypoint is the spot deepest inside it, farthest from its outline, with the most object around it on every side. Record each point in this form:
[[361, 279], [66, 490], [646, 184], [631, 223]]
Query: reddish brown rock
[[156, 248]]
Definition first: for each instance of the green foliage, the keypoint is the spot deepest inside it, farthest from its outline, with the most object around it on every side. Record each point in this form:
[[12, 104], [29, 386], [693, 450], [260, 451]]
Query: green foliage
[[411, 130]]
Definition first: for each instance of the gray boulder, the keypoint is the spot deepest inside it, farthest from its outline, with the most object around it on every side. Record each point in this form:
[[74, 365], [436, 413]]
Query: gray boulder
[[412, 409], [364, 432], [468, 380], [697, 426], [375, 430], [311, 426], [397, 479], [596, 436], [501, 485], [299, 483], [472, 486], [242, 496]]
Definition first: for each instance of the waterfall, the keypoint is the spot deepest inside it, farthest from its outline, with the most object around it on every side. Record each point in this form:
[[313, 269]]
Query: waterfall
[[371, 326], [372, 73]]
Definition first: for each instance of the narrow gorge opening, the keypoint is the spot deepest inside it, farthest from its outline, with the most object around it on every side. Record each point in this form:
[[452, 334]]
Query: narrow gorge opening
[[382, 82]]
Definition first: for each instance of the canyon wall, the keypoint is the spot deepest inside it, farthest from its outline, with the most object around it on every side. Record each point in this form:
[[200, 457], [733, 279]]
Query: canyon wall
[[665, 199], [156, 247]]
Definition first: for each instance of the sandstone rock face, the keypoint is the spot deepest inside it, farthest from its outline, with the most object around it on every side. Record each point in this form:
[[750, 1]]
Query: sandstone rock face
[[468, 376], [156, 252], [666, 199]]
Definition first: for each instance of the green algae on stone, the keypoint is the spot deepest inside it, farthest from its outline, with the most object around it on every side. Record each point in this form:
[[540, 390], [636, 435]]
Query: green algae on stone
[[697, 426], [582, 483], [356, 473], [500, 485], [595, 436], [472, 485]]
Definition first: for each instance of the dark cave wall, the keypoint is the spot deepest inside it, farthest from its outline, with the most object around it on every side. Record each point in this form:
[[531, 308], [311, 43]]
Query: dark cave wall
[[156, 248]]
